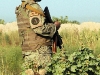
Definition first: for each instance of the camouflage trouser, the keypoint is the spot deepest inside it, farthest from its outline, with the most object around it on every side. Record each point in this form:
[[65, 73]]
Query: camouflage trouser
[[32, 60]]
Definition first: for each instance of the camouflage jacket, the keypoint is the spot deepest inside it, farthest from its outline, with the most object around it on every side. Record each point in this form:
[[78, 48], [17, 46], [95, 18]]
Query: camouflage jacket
[[32, 31]]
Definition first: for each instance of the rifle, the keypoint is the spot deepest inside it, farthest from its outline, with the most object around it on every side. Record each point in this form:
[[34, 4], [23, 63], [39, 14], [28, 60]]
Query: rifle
[[56, 38], [47, 16]]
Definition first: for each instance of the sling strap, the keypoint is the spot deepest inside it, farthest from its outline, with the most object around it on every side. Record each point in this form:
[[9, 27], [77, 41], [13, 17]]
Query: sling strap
[[27, 6]]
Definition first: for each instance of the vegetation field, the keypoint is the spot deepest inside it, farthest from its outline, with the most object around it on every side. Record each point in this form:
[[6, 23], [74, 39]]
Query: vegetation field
[[73, 41], [10, 60]]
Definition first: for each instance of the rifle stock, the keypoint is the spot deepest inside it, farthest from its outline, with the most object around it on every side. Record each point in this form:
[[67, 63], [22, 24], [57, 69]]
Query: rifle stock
[[54, 46]]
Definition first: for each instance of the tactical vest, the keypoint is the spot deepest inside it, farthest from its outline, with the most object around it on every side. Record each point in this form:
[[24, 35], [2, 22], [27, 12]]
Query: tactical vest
[[29, 39]]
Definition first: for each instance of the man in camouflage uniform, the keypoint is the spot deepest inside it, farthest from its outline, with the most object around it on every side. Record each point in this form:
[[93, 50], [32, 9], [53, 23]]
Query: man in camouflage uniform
[[35, 36]]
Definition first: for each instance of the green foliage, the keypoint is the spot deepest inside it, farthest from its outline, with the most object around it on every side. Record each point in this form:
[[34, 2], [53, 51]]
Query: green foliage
[[64, 20], [2, 21], [74, 22], [82, 62], [61, 19]]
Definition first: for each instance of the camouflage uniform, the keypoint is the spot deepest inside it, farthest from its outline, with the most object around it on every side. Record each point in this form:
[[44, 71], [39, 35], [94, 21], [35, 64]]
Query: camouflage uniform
[[36, 40]]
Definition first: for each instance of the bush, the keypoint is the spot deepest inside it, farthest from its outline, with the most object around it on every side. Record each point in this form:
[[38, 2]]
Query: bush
[[64, 20], [82, 62], [2, 21]]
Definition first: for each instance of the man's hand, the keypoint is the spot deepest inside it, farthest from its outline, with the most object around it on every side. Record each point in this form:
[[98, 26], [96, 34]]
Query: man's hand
[[57, 23]]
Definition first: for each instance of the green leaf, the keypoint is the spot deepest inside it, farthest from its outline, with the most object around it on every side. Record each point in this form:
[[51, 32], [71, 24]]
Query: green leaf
[[98, 68], [87, 57], [79, 65], [90, 69], [91, 55], [73, 68], [70, 58]]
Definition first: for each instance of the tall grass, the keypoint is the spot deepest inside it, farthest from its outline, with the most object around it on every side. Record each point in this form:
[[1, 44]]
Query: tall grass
[[10, 54], [10, 60], [10, 38], [73, 40]]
